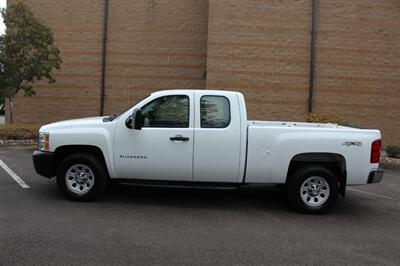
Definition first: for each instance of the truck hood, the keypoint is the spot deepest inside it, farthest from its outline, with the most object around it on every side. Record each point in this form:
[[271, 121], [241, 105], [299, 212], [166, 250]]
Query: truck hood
[[74, 123]]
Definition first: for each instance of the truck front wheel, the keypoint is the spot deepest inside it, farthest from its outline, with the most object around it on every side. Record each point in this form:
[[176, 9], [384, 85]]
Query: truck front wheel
[[82, 177], [312, 189]]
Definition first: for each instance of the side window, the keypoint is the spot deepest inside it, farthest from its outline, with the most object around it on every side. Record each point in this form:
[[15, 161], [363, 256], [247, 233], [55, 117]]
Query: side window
[[214, 112], [167, 111]]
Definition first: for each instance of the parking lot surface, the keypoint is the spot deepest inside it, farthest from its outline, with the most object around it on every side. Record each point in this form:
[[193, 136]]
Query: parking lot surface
[[166, 226]]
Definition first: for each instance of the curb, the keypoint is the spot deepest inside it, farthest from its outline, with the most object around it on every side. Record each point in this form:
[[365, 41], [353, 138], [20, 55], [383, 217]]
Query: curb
[[390, 163], [27, 142]]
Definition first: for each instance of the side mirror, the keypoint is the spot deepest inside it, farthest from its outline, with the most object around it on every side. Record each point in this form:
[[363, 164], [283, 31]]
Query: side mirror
[[136, 120]]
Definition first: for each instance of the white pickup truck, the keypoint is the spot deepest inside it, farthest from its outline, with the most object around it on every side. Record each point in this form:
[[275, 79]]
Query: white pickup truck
[[203, 138]]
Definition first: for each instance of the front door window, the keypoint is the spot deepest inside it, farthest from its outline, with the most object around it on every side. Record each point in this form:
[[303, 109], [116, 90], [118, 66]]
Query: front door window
[[167, 111]]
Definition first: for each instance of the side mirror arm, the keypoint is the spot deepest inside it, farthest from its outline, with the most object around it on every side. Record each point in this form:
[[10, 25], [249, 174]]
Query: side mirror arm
[[129, 122], [135, 121]]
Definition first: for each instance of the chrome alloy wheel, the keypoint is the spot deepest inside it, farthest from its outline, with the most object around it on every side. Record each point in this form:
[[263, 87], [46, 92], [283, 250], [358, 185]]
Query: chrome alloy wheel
[[79, 178], [314, 191]]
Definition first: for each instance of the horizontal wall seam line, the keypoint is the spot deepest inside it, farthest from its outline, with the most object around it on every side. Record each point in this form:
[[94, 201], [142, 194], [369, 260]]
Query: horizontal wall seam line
[[301, 47], [134, 65]]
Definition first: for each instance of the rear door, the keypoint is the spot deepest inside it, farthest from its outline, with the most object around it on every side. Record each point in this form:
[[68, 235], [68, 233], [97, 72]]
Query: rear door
[[217, 134]]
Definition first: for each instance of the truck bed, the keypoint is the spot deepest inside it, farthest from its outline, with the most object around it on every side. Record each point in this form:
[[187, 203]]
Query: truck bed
[[272, 145], [292, 124]]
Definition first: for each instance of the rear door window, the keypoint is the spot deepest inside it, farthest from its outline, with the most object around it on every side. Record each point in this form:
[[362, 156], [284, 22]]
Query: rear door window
[[215, 112]]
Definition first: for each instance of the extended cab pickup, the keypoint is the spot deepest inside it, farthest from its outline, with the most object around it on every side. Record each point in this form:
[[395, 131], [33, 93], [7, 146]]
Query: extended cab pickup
[[203, 138]]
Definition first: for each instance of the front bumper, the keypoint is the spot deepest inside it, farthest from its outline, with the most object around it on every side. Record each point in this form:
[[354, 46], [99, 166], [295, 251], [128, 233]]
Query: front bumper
[[375, 176], [44, 163]]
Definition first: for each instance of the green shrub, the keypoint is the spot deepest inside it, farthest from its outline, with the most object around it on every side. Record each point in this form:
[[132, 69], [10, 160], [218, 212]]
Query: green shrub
[[19, 132], [393, 151], [325, 118]]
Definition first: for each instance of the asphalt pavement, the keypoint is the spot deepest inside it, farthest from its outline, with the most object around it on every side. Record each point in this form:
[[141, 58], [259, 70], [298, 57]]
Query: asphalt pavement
[[165, 226]]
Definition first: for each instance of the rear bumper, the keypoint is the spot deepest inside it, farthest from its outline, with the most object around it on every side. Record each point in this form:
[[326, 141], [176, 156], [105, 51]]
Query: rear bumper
[[44, 163], [375, 176]]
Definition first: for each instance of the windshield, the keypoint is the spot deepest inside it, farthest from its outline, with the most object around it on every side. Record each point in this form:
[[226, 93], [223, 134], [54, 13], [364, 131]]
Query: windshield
[[116, 115]]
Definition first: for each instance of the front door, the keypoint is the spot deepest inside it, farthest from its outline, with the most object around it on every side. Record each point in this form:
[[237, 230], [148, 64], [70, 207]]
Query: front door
[[163, 148]]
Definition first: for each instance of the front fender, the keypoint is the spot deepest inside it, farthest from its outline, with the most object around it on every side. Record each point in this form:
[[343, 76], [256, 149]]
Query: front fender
[[97, 137]]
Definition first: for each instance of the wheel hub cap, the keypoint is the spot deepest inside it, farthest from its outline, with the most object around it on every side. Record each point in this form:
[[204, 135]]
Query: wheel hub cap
[[314, 191], [79, 178]]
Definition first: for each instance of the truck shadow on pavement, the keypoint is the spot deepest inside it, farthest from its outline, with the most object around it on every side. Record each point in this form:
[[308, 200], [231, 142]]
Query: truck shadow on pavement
[[265, 198], [262, 198], [268, 197]]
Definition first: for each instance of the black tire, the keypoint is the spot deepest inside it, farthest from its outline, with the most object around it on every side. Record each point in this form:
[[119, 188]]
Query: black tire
[[99, 180], [295, 190]]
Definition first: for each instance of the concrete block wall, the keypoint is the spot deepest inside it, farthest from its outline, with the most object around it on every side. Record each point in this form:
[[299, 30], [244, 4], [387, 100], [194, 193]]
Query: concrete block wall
[[77, 28], [261, 48], [258, 47], [358, 64]]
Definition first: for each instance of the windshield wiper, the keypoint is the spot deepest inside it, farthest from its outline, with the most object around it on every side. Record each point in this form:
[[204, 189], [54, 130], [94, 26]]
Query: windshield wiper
[[111, 117]]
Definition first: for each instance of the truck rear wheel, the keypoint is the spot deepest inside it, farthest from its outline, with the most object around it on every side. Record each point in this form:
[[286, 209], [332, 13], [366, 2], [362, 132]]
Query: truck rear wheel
[[82, 177], [312, 189]]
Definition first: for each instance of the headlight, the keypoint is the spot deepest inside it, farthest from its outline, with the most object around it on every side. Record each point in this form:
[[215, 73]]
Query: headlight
[[43, 142]]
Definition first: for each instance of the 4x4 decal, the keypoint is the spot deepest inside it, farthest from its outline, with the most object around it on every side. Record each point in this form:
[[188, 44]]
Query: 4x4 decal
[[352, 143]]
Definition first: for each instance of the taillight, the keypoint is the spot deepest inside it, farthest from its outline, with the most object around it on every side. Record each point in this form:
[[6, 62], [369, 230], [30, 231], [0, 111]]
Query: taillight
[[376, 151]]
